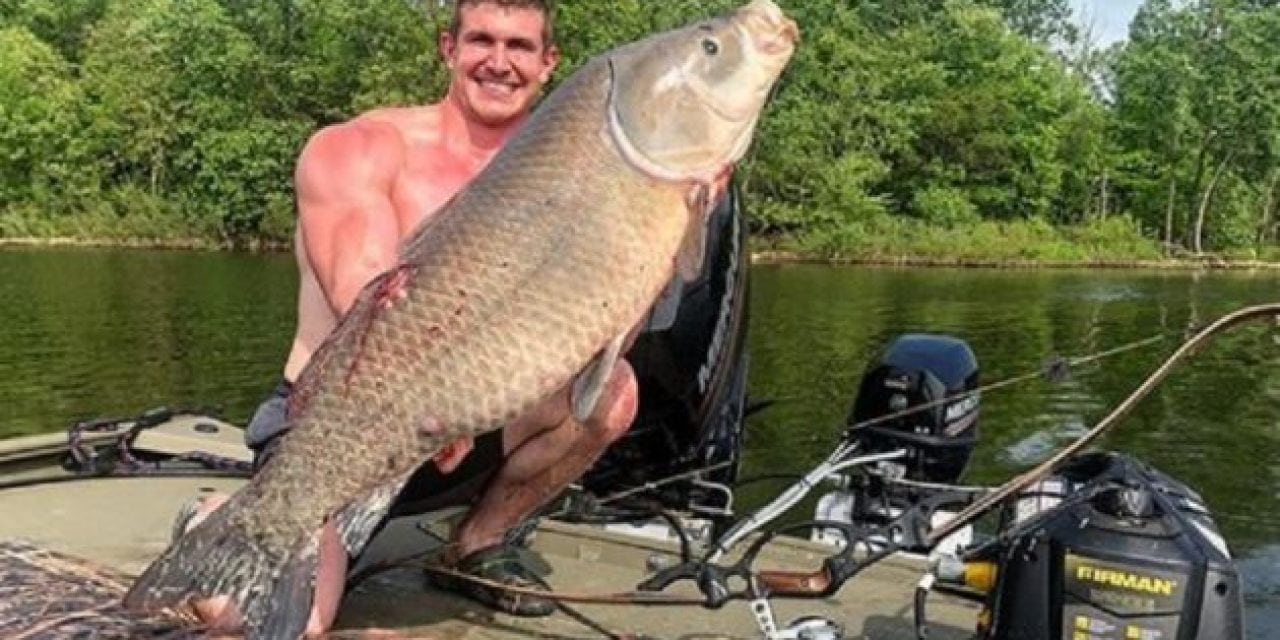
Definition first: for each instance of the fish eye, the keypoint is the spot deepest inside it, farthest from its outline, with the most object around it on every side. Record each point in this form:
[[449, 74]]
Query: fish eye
[[710, 46]]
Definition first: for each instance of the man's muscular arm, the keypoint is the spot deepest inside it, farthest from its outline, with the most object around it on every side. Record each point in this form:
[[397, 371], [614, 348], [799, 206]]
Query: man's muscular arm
[[346, 218]]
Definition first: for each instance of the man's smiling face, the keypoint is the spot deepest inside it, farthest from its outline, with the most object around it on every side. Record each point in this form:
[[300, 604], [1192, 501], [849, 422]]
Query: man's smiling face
[[498, 61]]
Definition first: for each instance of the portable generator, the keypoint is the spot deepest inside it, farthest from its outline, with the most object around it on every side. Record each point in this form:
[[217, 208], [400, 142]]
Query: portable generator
[[1107, 549]]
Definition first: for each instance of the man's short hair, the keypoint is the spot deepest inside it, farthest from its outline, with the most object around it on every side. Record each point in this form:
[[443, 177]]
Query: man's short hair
[[543, 6]]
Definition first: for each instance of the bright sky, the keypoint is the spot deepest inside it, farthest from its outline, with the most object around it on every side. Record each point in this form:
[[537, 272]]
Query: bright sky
[[1109, 18]]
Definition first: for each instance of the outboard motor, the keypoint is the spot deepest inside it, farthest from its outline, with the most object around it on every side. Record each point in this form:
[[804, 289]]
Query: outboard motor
[[918, 395], [691, 366], [914, 370]]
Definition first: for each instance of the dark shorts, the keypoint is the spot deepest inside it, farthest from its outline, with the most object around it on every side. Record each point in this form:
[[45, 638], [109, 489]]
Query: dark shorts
[[427, 490]]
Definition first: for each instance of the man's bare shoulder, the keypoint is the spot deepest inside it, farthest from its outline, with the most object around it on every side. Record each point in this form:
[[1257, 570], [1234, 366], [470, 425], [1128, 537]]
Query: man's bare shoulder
[[416, 125], [353, 139], [370, 145]]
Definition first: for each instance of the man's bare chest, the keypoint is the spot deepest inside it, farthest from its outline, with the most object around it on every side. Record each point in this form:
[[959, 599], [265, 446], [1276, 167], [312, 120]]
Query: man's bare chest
[[423, 186]]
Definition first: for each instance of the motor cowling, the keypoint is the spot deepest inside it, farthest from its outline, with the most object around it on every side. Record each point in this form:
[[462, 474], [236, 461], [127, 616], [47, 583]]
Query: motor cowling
[[915, 370], [691, 363], [1113, 549]]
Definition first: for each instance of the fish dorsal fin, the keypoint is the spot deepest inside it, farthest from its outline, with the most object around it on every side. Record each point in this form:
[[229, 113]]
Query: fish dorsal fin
[[693, 249], [590, 383]]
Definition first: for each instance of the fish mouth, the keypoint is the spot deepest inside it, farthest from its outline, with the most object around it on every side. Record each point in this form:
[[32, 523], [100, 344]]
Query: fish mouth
[[771, 31]]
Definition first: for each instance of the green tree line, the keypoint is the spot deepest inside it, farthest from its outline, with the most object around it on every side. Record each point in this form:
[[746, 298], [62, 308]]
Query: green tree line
[[933, 126]]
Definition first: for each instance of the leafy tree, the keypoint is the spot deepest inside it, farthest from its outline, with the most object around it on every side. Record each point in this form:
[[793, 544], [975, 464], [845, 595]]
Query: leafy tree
[[134, 115], [62, 24], [1039, 20], [929, 116], [1196, 109], [994, 125], [43, 161]]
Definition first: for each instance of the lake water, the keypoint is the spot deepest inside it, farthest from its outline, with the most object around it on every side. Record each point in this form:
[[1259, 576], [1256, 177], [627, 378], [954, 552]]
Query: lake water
[[110, 332]]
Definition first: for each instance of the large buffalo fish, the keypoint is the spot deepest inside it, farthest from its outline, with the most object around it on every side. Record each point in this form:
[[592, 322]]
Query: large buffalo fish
[[524, 285]]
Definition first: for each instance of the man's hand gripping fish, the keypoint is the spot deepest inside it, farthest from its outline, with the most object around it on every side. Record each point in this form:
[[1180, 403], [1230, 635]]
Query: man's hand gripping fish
[[525, 285]]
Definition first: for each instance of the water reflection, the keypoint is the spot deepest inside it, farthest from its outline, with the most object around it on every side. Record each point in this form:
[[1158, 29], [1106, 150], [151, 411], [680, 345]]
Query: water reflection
[[1261, 571], [88, 333]]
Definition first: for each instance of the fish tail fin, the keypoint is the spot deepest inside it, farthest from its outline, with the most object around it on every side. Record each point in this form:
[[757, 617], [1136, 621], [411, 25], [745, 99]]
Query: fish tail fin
[[272, 588]]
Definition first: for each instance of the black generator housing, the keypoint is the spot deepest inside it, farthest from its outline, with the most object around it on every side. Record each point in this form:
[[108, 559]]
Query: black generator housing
[[914, 370], [1127, 554]]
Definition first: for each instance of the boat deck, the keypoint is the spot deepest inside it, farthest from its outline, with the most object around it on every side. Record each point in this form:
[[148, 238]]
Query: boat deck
[[120, 524]]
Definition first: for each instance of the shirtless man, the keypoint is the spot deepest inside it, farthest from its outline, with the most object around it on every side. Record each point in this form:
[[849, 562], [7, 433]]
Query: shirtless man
[[363, 186]]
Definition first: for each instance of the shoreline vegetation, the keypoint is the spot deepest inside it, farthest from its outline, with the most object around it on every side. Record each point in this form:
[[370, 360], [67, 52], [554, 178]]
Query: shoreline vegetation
[[884, 256], [1169, 264], [952, 132]]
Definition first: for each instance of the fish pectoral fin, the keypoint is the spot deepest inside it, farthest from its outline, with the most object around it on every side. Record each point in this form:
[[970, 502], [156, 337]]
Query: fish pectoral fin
[[664, 311], [693, 248], [590, 383], [357, 522]]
